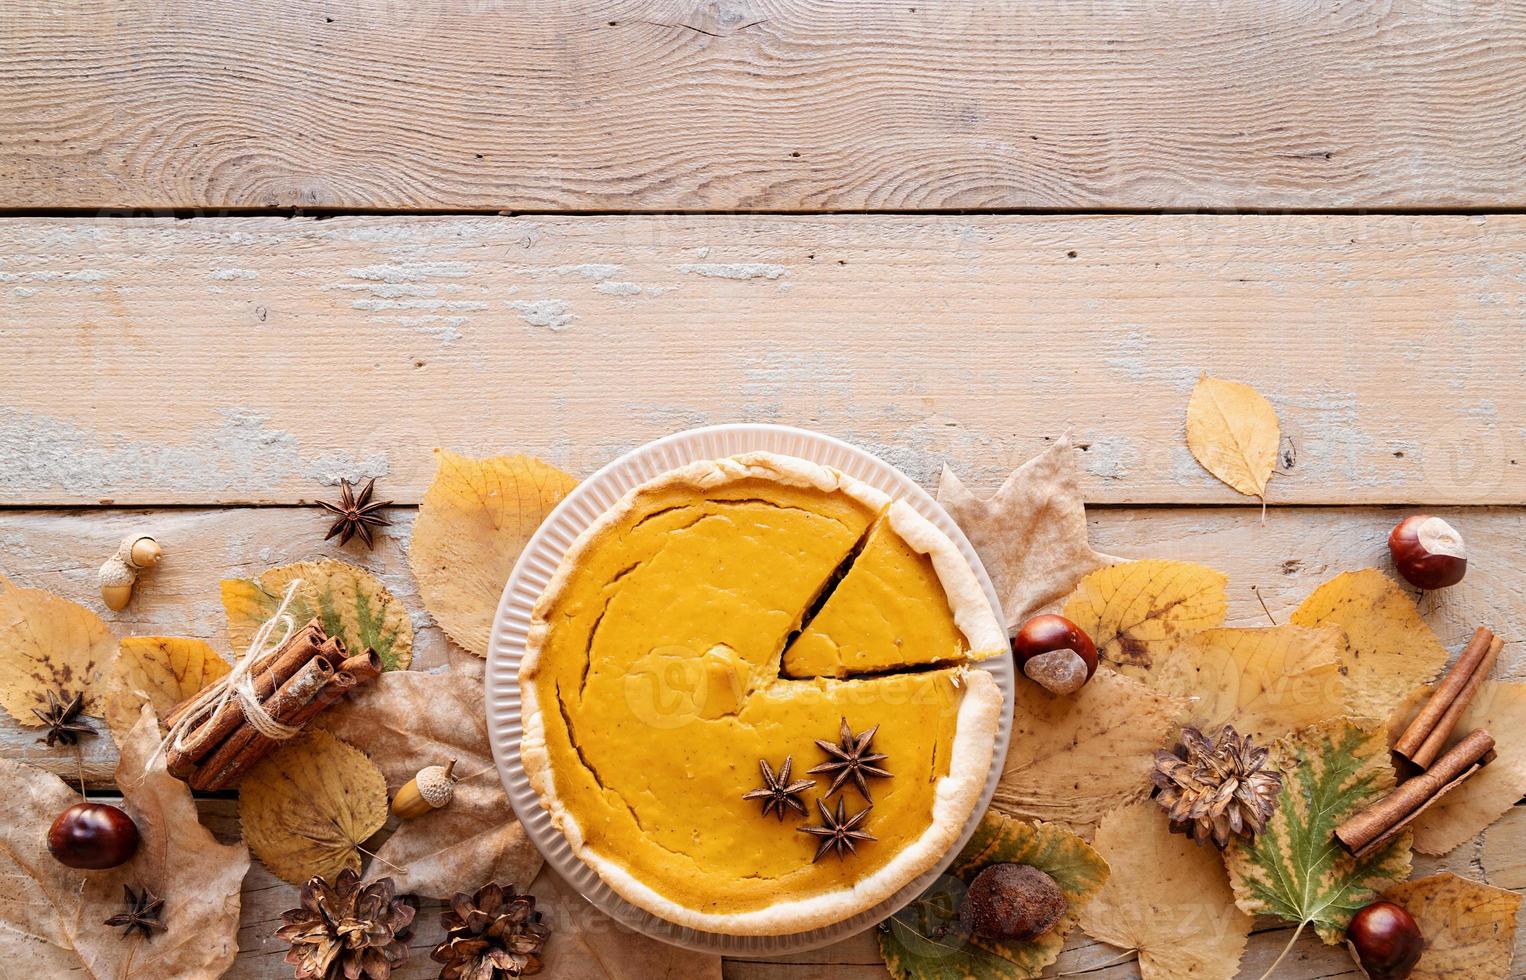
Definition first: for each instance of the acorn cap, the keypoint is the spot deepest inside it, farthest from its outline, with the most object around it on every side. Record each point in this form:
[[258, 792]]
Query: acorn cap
[[436, 784]]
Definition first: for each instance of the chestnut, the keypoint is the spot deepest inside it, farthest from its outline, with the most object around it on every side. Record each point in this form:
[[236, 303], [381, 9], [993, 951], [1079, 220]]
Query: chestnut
[[1011, 902], [1385, 941], [1428, 552], [93, 836], [1055, 653]]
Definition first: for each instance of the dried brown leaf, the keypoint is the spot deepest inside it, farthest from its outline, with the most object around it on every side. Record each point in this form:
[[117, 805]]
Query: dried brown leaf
[[1390, 649], [54, 916], [161, 670], [1030, 534], [49, 643], [306, 807], [409, 720], [1469, 927], [1232, 430], [1166, 897], [1073, 759], [473, 522], [1140, 611], [1265, 681]]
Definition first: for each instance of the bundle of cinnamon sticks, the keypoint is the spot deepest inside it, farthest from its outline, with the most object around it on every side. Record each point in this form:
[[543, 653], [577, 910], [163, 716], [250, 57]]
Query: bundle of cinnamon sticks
[[1437, 772], [293, 683]]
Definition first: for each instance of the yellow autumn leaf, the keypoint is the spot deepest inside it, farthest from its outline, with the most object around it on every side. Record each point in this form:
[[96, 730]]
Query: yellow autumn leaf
[[474, 521], [1138, 611], [1265, 681], [49, 643], [1390, 649], [159, 670], [1469, 927], [1073, 759], [1233, 432], [1166, 897], [307, 807], [350, 602]]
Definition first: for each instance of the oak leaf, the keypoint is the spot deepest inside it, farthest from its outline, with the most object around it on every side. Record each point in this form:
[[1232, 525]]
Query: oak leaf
[[350, 602], [1030, 534], [925, 939], [1073, 759], [586, 943], [1166, 897], [1232, 430], [409, 720], [54, 917], [308, 807], [1139, 611], [1265, 681], [1293, 869], [1463, 813], [474, 521], [49, 643], [1469, 927], [159, 670], [1390, 649]]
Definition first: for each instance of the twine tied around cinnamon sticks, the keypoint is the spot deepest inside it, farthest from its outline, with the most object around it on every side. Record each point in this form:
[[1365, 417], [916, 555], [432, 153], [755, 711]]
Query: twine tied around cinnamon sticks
[[278, 686]]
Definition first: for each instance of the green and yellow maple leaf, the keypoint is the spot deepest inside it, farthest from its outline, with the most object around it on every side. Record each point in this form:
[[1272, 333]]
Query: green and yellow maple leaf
[[350, 602], [1295, 869], [924, 940]]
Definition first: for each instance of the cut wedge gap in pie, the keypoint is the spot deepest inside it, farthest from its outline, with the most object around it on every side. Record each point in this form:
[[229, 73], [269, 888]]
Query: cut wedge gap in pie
[[735, 611]]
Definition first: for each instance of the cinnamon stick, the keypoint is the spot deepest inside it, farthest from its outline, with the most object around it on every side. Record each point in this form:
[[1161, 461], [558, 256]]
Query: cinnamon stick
[[226, 766], [1455, 686], [268, 674], [1379, 823], [244, 746], [1431, 748]]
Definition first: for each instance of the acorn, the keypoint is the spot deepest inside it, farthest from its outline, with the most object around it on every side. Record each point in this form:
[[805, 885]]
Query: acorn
[[431, 789], [120, 572]]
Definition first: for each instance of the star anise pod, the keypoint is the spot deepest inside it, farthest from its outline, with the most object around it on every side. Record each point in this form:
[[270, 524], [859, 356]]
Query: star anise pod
[[142, 914], [778, 792], [851, 759], [357, 515], [838, 831], [62, 718]]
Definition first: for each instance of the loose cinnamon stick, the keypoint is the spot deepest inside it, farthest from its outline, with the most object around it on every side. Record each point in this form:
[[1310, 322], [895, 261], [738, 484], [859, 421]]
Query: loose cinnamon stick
[[226, 766], [1431, 748], [1433, 713], [242, 748], [1379, 823], [271, 671]]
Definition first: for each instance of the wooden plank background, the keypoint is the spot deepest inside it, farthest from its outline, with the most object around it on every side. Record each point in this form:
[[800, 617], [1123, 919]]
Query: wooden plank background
[[205, 366], [762, 105]]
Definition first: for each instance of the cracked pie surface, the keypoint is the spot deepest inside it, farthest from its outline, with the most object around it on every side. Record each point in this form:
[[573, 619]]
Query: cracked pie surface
[[733, 612]]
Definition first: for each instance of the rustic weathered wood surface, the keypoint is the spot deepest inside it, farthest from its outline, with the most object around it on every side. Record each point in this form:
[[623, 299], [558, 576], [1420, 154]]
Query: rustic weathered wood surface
[[776, 105], [259, 359]]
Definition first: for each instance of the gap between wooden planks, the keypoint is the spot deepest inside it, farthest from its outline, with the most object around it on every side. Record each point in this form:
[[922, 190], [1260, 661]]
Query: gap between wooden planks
[[228, 360], [763, 105]]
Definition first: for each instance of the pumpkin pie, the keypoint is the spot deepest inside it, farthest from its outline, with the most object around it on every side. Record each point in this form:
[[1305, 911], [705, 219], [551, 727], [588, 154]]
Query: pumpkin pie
[[734, 612]]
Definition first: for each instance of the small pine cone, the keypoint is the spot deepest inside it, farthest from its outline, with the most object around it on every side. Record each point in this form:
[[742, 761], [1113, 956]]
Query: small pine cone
[[1216, 788], [348, 931], [492, 935]]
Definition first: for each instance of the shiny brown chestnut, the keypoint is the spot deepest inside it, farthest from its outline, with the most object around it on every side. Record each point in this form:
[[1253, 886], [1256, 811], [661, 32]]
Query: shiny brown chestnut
[[1055, 653], [93, 836], [1428, 552], [1385, 940]]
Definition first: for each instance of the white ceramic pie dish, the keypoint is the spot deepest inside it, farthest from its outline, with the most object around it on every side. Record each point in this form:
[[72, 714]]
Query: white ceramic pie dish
[[538, 563]]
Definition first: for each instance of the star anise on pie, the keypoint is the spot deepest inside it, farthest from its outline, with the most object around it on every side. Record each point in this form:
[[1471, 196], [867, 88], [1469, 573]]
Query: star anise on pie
[[851, 759], [62, 718], [357, 514], [778, 792], [838, 831], [142, 914]]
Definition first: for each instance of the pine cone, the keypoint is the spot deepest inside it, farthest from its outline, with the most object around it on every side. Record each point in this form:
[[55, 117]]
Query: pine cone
[[491, 935], [348, 931], [1216, 788]]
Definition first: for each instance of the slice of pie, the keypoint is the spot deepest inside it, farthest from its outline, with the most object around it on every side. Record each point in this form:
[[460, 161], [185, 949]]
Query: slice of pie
[[733, 612]]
